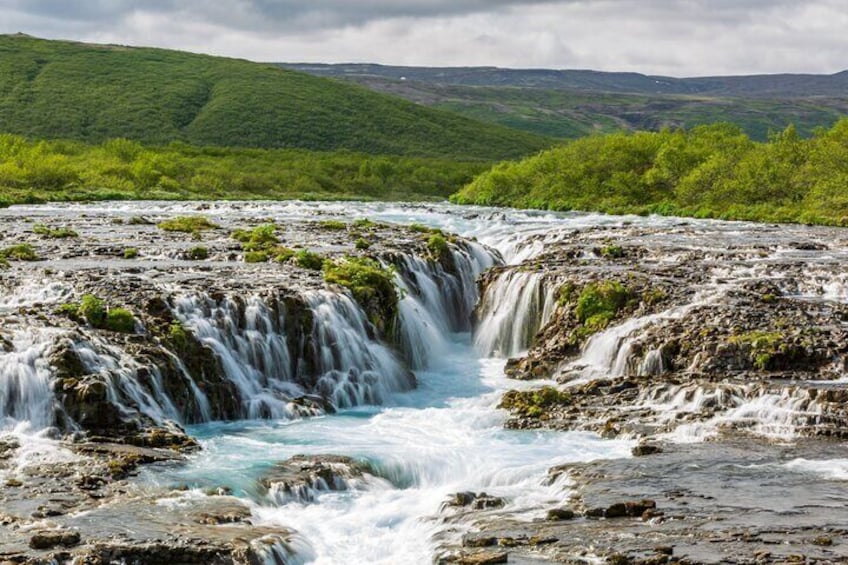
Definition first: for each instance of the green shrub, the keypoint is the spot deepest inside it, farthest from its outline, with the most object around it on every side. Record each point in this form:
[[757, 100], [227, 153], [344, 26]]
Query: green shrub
[[337, 225], [438, 245], [309, 260], [119, 320], [364, 223], [420, 228], [198, 253], [283, 254], [361, 243], [611, 252], [19, 252], [599, 303], [93, 310], [53, 233], [256, 257], [130, 253], [187, 224], [371, 285], [69, 309], [534, 403], [260, 238]]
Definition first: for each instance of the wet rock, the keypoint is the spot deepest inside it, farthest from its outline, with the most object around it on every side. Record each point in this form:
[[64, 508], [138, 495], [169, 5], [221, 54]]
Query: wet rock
[[484, 558], [472, 540], [557, 514], [644, 449], [632, 509], [8, 446], [51, 539], [302, 476], [475, 501]]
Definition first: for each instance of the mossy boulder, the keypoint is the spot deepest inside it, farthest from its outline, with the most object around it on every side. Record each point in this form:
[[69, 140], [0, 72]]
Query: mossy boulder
[[371, 285]]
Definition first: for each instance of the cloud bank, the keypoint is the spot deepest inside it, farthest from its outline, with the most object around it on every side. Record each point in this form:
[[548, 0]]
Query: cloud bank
[[671, 37]]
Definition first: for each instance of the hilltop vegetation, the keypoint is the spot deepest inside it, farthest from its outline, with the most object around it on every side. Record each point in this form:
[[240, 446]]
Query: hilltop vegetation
[[710, 172], [65, 90], [33, 171], [571, 104]]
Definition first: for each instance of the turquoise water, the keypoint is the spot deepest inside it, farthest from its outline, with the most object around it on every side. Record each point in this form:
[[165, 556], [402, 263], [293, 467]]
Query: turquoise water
[[445, 437]]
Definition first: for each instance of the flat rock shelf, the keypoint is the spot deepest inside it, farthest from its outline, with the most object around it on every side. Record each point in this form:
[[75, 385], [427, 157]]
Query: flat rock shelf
[[328, 383]]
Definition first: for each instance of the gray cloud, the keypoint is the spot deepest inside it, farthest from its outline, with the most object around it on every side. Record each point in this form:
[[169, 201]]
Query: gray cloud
[[675, 37]]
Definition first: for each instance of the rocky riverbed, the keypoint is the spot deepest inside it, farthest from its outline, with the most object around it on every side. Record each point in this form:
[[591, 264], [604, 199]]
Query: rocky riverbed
[[227, 318], [350, 383], [675, 337]]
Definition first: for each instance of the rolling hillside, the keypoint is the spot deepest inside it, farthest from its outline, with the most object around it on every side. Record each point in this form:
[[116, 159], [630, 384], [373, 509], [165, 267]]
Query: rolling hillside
[[571, 104], [58, 89], [765, 86]]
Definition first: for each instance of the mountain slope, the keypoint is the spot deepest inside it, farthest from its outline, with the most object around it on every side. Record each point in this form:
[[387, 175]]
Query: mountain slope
[[571, 104], [769, 86], [57, 89]]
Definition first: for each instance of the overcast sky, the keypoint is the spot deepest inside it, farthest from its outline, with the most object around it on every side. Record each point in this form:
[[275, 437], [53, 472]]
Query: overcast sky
[[671, 37]]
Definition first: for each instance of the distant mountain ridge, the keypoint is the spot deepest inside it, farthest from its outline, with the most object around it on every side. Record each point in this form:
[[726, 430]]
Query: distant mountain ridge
[[571, 104], [769, 86]]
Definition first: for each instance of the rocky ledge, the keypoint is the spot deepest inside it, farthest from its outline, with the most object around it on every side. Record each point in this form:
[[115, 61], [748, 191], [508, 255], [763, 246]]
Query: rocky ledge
[[117, 331], [733, 502], [721, 355], [83, 507]]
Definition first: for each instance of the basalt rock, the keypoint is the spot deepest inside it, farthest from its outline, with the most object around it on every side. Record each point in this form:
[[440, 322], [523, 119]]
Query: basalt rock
[[303, 476]]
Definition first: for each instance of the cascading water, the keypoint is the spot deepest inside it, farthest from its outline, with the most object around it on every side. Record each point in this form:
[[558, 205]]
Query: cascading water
[[444, 437], [354, 369], [121, 372], [752, 408], [435, 303], [515, 306], [614, 352], [249, 340], [26, 393]]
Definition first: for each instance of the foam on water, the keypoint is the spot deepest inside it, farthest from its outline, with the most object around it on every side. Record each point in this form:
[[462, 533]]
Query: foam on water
[[831, 469], [445, 437]]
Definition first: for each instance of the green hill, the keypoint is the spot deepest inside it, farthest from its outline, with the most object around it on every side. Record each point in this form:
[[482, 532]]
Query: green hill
[[59, 89], [713, 171], [571, 104]]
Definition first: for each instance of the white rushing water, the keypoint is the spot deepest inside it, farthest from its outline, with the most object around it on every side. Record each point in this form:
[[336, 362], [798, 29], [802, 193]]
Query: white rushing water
[[446, 436], [443, 437]]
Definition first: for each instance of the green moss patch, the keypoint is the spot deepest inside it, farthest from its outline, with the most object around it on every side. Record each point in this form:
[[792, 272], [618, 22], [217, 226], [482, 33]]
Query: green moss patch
[[187, 224], [534, 403]]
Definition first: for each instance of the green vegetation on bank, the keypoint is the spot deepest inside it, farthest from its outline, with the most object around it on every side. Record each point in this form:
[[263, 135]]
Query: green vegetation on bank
[[69, 90], [708, 172], [93, 310], [33, 171]]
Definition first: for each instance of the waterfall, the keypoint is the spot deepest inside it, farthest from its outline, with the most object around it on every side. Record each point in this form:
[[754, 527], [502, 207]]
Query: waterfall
[[515, 306], [249, 339], [131, 386], [353, 367], [751, 407], [26, 394], [435, 302], [276, 549], [271, 364], [618, 351]]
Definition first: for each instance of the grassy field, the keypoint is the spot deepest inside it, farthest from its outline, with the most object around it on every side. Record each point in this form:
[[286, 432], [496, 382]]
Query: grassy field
[[35, 171], [66, 90], [710, 172]]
